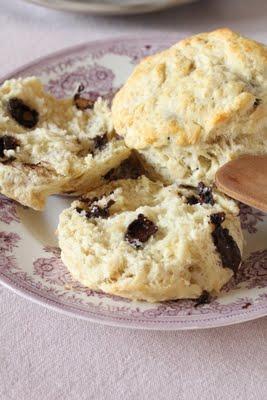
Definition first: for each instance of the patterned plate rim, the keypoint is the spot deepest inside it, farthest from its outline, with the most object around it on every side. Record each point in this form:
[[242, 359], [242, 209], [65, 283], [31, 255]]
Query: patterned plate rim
[[201, 322], [125, 322]]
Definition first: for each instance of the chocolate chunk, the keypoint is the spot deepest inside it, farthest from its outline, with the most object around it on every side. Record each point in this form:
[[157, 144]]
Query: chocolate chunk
[[257, 102], [205, 194], [100, 142], [204, 298], [99, 212], [95, 211], [139, 231], [225, 244], [128, 169], [247, 305], [22, 114], [83, 104], [81, 101], [227, 248], [88, 202], [192, 200], [7, 143], [218, 218]]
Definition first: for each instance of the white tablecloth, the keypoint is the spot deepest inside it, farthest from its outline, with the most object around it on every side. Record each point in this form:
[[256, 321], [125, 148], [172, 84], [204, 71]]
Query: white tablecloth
[[48, 356]]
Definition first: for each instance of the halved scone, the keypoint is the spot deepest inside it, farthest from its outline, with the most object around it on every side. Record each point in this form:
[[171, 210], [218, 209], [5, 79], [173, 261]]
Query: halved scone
[[141, 240], [50, 146]]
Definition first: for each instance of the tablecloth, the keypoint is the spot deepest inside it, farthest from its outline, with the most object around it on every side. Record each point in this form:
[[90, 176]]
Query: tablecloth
[[49, 356]]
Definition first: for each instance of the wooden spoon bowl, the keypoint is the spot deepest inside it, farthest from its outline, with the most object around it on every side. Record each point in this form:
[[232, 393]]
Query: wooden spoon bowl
[[245, 179]]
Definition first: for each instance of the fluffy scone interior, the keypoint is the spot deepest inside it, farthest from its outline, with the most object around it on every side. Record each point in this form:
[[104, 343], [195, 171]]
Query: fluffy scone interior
[[195, 106], [50, 146], [141, 240]]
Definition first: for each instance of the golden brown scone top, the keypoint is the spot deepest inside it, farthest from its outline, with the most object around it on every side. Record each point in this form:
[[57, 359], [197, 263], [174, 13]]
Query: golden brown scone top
[[204, 87]]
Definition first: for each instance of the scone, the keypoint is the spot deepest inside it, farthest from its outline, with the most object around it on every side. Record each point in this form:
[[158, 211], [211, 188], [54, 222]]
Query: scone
[[195, 106], [50, 146], [141, 240]]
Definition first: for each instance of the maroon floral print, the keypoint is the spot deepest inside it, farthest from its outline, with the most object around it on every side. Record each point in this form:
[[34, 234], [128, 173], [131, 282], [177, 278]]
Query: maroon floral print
[[7, 263], [254, 270], [96, 79], [8, 212], [250, 217], [134, 52], [52, 270], [8, 241]]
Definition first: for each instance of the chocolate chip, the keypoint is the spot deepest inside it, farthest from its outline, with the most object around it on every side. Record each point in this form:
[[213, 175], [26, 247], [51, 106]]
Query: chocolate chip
[[83, 104], [205, 194], [139, 231], [88, 202], [192, 200], [95, 211], [247, 305], [204, 298], [218, 218], [257, 102], [22, 114], [225, 244], [81, 101], [7, 143], [100, 142], [128, 169], [227, 248], [99, 212]]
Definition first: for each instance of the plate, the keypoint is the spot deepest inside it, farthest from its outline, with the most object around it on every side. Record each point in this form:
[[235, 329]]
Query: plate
[[111, 7], [30, 260]]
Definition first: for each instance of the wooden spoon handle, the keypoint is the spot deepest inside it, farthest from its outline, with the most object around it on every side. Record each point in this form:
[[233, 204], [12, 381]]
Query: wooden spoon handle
[[245, 179]]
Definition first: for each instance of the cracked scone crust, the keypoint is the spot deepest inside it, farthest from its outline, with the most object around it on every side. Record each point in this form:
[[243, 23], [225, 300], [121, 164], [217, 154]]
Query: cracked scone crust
[[177, 260], [197, 105], [61, 152]]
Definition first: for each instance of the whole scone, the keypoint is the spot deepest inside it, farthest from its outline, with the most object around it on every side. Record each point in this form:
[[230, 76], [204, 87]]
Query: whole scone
[[195, 106], [143, 241], [50, 146]]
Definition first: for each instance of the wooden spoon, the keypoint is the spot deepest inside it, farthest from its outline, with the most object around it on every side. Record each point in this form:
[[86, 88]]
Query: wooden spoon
[[245, 179]]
